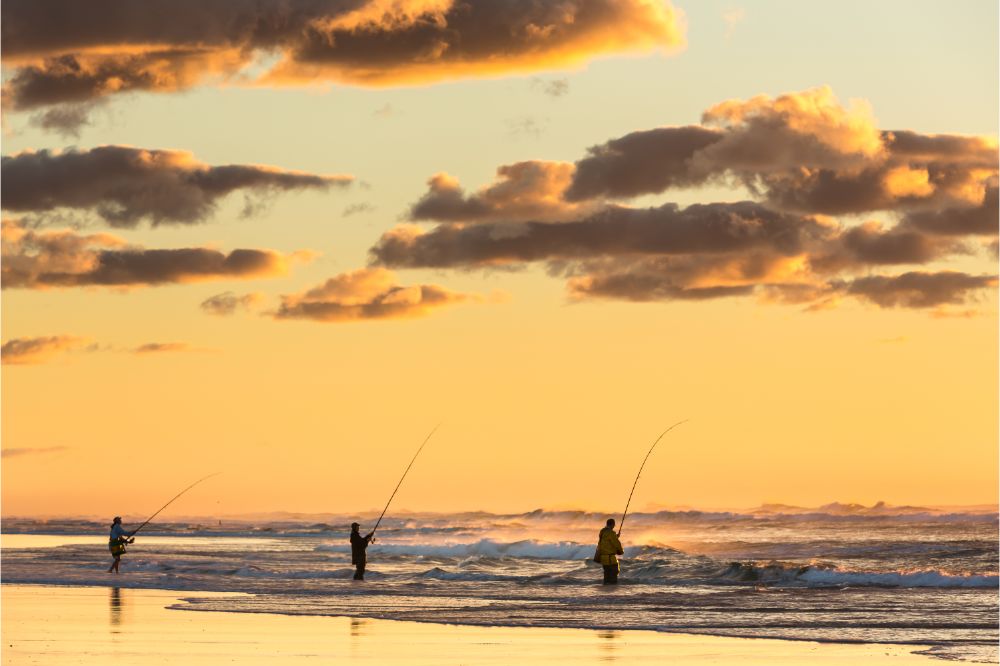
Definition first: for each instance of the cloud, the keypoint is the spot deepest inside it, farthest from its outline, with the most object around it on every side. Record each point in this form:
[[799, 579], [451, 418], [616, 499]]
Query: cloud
[[919, 290], [809, 128], [801, 152], [67, 121], [642, 162], [394, 43], [46, 259], [869, 244], [701, 252], [355, 209], [552, 88], [526, 126], [658, 280], [228, 302], [668, 229], [62, 52], [670, 278], [124, 185], [802, 157], [757, 142], [81, 78], [532, 190], [16, 452], [161, 347], [28, 351], [367, 293], [983, 219]]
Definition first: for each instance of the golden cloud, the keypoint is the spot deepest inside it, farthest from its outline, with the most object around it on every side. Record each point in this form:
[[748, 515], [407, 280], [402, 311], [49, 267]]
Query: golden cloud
[[32, 259], [367, 293]]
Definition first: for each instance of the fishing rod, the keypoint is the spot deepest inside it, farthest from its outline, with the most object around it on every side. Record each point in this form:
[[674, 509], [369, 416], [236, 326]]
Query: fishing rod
[[427, 439], [634, 484], [136, 530]]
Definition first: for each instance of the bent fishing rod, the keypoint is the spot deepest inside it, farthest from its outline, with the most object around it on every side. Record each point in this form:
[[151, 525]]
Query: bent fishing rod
[[636, 482], [175, 497], [426, 439]]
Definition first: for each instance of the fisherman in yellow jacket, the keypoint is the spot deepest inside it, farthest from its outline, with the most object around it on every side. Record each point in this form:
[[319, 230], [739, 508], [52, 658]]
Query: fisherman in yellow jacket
[[608, 549]]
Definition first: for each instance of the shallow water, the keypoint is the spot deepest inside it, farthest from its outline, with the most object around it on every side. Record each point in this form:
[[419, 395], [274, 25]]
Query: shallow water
[[838, 575]]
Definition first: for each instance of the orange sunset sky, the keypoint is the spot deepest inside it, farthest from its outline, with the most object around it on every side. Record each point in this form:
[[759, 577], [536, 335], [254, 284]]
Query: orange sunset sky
[[284, 241]]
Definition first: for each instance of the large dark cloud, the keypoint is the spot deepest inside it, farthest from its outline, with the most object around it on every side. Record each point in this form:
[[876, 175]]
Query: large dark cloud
[[700, 252], [368, 293], [125, 185], [702, 228], [64, 50], [44, 259], [697, 253]]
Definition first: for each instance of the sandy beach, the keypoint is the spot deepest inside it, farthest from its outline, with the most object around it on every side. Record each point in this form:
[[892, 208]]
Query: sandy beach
[[61, 625]]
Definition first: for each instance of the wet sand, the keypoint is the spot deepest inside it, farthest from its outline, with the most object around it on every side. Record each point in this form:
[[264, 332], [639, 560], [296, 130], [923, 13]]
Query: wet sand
[[94, 625]]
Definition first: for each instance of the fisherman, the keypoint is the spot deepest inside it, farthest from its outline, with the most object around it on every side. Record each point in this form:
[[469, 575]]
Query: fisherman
[[358, 545], [608, 549], [116, 544]]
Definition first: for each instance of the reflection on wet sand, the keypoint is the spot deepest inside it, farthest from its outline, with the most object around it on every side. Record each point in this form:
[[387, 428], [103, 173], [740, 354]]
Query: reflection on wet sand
[[359, 631], [608, 645], [115, 604]]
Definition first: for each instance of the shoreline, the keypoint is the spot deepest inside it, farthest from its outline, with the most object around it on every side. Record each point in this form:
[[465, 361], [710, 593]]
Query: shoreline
[[95, 623], [191, 600]]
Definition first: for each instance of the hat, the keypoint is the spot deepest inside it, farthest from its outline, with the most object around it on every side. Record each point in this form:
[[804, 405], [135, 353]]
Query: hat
[[117, 519], [355, 526]]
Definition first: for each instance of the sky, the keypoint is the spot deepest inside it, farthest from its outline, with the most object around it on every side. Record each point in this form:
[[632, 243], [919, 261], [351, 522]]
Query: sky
[[285, 240]]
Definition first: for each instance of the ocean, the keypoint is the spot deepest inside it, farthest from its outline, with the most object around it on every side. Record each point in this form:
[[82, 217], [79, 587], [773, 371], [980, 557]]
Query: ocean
[[839, 573]]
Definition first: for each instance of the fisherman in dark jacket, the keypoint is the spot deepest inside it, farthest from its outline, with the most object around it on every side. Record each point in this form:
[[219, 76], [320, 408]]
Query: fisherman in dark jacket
[[358, 546]]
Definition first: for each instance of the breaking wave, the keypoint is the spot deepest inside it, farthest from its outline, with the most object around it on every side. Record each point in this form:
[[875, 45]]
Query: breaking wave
[[819, 576]]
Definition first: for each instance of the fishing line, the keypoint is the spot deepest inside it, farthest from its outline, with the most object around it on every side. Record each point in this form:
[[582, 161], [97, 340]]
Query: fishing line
[[622, 524], [427, 439], [136, 530]]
